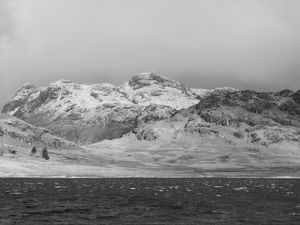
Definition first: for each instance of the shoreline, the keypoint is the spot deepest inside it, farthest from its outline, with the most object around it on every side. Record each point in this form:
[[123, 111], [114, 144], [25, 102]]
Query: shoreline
[[148, 177]]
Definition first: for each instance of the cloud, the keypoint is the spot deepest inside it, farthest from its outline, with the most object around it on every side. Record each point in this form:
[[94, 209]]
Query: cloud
[[6, 31], [203, 43], [5, 18]]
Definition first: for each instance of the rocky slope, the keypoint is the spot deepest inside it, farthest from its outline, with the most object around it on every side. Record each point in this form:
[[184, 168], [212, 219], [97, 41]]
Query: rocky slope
[[90, 113], [249, 118], [15, 133]]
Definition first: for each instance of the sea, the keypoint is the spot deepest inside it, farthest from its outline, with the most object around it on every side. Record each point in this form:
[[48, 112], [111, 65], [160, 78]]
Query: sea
[[149, 201]]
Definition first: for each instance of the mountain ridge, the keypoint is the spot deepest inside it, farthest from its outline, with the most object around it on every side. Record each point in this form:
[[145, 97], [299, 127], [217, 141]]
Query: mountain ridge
[[106, 110], [87, 114]]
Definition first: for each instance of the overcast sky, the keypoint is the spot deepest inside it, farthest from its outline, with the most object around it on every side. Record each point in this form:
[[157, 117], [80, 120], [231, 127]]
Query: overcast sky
[[247, 44]]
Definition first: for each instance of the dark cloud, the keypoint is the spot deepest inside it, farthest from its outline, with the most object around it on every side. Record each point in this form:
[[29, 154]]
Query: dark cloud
[[248, 44]]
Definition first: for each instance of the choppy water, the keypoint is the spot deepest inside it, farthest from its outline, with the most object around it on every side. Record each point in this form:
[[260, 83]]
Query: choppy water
[[149, 201]]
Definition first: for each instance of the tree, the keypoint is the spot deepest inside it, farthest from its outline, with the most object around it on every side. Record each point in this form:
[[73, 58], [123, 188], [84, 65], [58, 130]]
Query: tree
[[2, 148], [33, 150], [45, 154], [77, 134]]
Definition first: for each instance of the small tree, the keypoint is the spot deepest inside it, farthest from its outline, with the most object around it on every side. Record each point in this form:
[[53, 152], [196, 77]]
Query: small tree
[[238, 134], [2, 148], [45, 154], [33, 150], [77, 134]]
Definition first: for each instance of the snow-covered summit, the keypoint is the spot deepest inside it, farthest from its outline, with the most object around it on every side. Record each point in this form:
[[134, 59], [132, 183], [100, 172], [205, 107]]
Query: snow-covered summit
[[60, 82], [150, 88], [24, 91], [141, 80], [28, 86]]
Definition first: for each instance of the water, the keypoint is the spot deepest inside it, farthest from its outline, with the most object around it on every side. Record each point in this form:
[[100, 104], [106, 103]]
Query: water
[[149, 201]]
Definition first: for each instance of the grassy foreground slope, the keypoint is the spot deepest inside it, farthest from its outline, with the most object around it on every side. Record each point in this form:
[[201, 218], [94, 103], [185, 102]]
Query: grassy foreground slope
[[188, 156]]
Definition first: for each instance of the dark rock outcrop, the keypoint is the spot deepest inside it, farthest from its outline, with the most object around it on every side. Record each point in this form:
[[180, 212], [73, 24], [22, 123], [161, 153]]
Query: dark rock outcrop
[[251, 107], [284, 93], [296, 97]]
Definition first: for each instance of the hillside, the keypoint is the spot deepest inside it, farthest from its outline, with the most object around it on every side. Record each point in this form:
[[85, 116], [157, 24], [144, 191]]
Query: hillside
[[17, 139], [15, 132], [234, 132]]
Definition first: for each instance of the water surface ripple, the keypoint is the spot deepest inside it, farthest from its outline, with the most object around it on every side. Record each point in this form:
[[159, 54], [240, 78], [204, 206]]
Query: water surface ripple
[[149, 201]]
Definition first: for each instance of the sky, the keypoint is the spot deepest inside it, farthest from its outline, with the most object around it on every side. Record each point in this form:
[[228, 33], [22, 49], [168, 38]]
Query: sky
[[246, 44]]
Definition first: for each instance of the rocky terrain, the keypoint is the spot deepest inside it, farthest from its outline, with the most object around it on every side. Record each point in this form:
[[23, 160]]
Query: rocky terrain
[[15, 132], [154, 126], [255, 117]]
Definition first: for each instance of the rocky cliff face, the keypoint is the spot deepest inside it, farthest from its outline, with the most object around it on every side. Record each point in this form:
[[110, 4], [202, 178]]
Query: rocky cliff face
[[296, 96], [253, 108]]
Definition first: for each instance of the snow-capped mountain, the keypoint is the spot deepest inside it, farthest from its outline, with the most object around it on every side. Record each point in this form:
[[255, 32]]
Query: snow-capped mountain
[[90, 113]]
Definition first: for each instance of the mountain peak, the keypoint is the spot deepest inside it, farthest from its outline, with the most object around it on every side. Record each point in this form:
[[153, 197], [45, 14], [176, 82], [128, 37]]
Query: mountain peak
[[24, 91], [150, 76], [28, 86], [141, 80], [60, 82]]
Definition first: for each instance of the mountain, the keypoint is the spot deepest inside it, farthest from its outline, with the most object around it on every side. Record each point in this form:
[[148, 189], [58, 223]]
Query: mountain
[[154, 126], [91, 113]]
